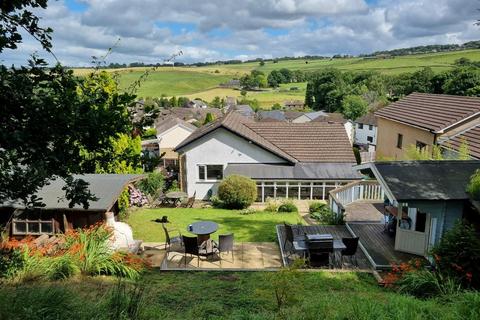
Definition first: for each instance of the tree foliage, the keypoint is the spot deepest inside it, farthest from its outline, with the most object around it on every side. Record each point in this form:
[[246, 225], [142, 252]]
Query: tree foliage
[[354, 107]]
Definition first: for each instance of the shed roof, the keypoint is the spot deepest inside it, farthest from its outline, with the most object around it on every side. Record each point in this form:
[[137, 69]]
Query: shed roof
[[427, 180], [105, 187], [171, 122], [434, 112], [299, 171]]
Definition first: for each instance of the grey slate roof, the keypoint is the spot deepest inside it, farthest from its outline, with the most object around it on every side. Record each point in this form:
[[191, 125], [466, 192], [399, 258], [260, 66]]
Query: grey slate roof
[[368, 119], [427, 180], [106, 187], [271, 114], [244, 109], [171, 122], [299, 171]]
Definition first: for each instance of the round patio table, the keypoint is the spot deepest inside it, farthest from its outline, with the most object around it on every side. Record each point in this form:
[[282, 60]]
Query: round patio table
[[203, 229], [175, 196]]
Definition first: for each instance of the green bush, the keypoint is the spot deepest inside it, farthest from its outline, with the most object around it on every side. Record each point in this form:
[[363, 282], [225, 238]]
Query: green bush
[[271, 205], [150, 133], [152, 184], [237, 192], [473, 187], [316, 206], [458, 255], [327, 216], [248, 211], [287, 206], [11, 261], [216, 202]]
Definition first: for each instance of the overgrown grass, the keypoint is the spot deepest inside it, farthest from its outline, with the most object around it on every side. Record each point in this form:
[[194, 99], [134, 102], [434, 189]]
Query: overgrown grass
[[257, 227], [228, 295]]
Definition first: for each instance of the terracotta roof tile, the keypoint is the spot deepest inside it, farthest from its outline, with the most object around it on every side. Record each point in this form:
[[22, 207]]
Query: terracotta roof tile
[[471, 137], [433, 112]]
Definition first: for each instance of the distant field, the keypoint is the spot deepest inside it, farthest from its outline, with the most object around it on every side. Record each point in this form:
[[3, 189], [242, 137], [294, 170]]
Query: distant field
[[202, 82]]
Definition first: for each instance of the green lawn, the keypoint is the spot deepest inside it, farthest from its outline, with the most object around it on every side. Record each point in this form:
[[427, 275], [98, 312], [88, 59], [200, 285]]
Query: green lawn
[[257, 227], [229, 295]]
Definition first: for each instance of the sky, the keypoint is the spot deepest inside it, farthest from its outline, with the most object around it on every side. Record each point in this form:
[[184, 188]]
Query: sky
[[150, 31]]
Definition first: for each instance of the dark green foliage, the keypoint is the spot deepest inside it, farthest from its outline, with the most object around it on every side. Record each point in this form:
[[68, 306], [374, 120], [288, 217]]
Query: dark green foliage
[[153, 184], [463, 81], [237, 192], [354, 107], [126, 301], [287, 206], [457, 255], [209, 118], [256, 79], [216, 202], [10, 262], [316, 206], [327, 216], [473, 187], [326, 91]]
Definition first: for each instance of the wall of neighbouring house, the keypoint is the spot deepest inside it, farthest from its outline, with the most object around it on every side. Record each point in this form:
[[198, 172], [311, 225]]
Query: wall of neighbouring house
[[446, 212], [387, 139], [172, 138], [361, 135], [219, 147]]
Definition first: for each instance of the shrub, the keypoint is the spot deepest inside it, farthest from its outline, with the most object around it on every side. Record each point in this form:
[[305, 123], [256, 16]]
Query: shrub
[[216, 202], [271, 205], [316, 206], [248, 211], [11, 261], [287, 206], [152, 184], [458, 255], [473, 187], [327, 216], [237, 192], [150, 133]]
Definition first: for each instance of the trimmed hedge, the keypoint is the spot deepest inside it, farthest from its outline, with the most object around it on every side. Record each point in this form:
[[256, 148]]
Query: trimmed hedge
[[237, 192]]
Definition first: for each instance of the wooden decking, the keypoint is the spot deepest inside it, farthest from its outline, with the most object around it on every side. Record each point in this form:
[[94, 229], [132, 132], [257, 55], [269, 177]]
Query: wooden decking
[[338, 232], [378, 245], [364, 211]]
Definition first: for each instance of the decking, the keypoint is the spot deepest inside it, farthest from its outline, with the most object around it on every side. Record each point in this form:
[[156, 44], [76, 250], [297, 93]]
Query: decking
[[378, 245], [338, 232]]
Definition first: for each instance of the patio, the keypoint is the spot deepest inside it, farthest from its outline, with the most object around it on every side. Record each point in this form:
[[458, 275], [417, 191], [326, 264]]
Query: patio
[[246, 256]]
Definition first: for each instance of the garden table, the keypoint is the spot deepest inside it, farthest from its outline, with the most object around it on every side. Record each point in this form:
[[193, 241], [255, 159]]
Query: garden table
[[175, 197], [203, 229]]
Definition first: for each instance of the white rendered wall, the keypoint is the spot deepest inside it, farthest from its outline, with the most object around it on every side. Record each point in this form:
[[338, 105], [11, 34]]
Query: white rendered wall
[[172, 138], [220, 147], [362, 134]]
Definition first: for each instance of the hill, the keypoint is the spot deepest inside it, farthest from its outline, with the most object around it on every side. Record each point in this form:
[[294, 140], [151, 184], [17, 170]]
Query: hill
[[202, 82]]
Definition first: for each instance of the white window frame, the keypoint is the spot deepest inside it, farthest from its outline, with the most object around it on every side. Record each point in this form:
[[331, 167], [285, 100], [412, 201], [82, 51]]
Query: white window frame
[[199, 179]]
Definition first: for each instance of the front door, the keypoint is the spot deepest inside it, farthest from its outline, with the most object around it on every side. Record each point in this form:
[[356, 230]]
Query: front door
[[412, 231]]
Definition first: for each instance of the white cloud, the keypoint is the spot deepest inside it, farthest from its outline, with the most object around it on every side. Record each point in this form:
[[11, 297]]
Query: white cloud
[[151, 30]]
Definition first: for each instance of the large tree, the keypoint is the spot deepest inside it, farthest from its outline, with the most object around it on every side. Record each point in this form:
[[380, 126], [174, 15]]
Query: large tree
[[53, 123]]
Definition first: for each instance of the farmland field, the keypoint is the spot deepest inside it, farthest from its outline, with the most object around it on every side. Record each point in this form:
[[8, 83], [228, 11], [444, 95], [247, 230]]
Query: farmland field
[[202, 82]]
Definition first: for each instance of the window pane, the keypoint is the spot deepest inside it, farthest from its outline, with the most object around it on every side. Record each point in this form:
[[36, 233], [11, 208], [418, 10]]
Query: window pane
[[19, 227], [318, 193], [201, 172], [47, 227], [214, 172], [259, 193], [327, 190], [305, 193], [281, 191], [269, 192], [399, 141], [293, 191], [421, 221], [33, 227]]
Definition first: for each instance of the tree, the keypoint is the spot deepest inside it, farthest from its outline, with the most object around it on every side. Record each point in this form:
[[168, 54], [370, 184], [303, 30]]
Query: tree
[[53, 123], [421, 81], [210, 117], [326, 90], [262, 63], [463, 81], [354, 107], [216, 103]]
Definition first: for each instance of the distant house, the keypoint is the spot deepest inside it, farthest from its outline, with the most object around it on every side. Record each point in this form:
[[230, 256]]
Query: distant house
[[234, 83], [308, 116], [366, 130], [196, 104], [231, 101], [170, 132], [300, 161], [293, 104], [277, 115], [336, 117], [244, 109], [423, 120], [56, 216], [188, 114], [426, 197]]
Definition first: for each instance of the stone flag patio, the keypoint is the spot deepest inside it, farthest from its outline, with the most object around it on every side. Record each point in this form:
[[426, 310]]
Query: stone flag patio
[[246, 256]]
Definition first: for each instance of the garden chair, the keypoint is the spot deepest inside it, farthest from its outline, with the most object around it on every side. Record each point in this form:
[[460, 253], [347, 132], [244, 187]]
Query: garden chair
[[190, 202], [351, 250], [291, 234], [170, 241], [320, 252], [191, 248], [225, 244]]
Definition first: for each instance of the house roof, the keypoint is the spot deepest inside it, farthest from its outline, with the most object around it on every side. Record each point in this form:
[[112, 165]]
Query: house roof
[[368, 119], [299, 171], [295, 142], [308, 142], [105, 187], [330, 117], [434, 112], [236, 123], [290, 115], [471, 137], [171, 122], [244, 109], [188, 113], [271, 114], [427, 180]]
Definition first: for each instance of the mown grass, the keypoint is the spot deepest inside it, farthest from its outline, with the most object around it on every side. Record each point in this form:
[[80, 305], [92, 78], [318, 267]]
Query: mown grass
[[257, 227], [231, 295]]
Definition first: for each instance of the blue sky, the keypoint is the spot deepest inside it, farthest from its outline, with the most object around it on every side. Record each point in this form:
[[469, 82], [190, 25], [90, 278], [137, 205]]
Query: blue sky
[[210, 30]]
